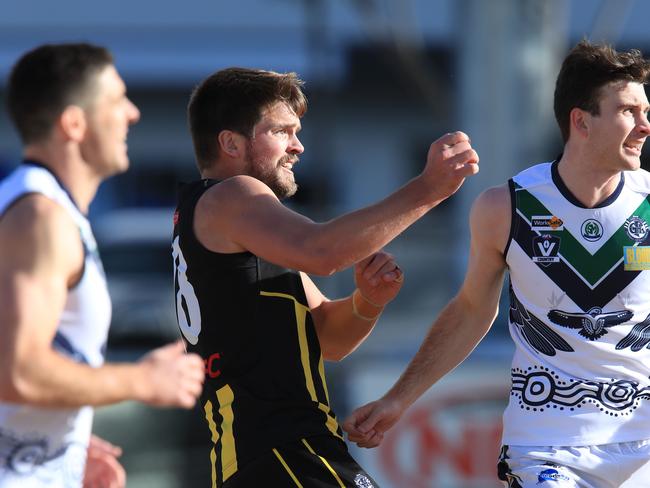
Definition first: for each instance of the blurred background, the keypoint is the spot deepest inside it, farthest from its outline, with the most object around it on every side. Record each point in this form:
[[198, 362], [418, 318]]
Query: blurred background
[[384, 79]]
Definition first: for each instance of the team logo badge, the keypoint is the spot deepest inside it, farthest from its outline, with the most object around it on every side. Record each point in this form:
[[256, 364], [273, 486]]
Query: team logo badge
[[636, 228], [362, 481], [546, 222], [545, 249], [591, 230], [636, 258]]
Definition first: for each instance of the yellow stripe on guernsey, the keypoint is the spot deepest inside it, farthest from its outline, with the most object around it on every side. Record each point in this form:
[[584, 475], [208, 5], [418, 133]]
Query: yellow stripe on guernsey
[[324, 461], [209, 416], [225, 397], [286, 466], [301, 322]]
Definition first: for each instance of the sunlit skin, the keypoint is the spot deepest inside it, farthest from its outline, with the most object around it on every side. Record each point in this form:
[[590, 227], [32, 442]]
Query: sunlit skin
[[87, 142], [603, 145], [617, 134], [108, 115], [273, 149]]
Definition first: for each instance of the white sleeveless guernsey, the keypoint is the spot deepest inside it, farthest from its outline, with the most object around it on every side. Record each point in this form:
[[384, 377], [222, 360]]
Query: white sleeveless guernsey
[[579, 313], [47, 447]]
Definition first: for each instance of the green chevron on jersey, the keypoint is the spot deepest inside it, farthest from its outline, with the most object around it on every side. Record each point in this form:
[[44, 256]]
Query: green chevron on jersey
[[594, 267]]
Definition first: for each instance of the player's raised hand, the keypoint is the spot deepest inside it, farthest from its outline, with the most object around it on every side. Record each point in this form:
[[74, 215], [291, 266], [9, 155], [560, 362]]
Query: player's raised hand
[[378, 278], [175, 378], [450, 160]]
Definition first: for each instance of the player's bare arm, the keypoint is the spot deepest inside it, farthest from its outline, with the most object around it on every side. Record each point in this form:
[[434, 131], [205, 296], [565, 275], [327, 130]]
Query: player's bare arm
[[458, 329], [242, 213], [342, 325], [43, 258]]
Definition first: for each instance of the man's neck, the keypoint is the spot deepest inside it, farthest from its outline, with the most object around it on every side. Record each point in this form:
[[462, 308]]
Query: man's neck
[[589, 183], [221, 171], [73, 173]]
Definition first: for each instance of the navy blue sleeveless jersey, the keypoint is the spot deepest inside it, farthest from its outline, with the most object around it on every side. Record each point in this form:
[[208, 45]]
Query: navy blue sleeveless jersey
[[249, 320]]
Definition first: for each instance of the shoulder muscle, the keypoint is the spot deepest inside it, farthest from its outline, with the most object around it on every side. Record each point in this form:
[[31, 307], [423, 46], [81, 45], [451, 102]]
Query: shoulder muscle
[[490, 218], [243, 214], [38, 236]]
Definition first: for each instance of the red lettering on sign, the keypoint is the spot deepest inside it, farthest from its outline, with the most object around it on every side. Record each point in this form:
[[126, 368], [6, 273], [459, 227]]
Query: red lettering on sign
[[454, 437]]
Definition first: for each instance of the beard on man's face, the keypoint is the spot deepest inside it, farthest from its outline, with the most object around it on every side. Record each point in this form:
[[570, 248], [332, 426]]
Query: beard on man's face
[[282, 183]]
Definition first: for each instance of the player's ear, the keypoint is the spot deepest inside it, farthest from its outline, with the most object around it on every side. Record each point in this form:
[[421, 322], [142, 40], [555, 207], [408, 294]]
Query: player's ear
[[580, 122], [72, 123], [231, 143]]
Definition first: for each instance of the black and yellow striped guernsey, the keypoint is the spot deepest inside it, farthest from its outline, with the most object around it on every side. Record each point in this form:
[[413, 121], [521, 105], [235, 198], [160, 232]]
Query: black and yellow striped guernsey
[[249, 320]]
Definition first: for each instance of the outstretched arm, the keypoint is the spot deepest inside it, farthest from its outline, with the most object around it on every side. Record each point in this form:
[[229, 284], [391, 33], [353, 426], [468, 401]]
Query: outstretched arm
[[243, 214], [458, 329], [342, 325], [42, 257]]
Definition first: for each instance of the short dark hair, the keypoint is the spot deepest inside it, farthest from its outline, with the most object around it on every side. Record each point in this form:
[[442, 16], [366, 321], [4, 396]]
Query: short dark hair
[[586, 69], [49, 78], [234, 99]]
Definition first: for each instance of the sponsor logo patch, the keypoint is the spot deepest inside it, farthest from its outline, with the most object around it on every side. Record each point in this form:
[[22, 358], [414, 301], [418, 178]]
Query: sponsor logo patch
[[551, 475], [636, 228], [546, 222], [362, 481], [636, 258], [591, 230], [545, 249]]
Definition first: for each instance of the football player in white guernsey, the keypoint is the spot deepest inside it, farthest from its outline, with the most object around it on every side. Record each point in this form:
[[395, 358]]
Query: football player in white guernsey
[[71, 111], [573, 236]]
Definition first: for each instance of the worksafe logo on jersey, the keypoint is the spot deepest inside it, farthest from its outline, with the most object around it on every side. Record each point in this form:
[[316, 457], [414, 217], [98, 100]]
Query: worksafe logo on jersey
[[591, 230], [551, 475], [546, 222], [636, 258], [545, 249], [636, 228]]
